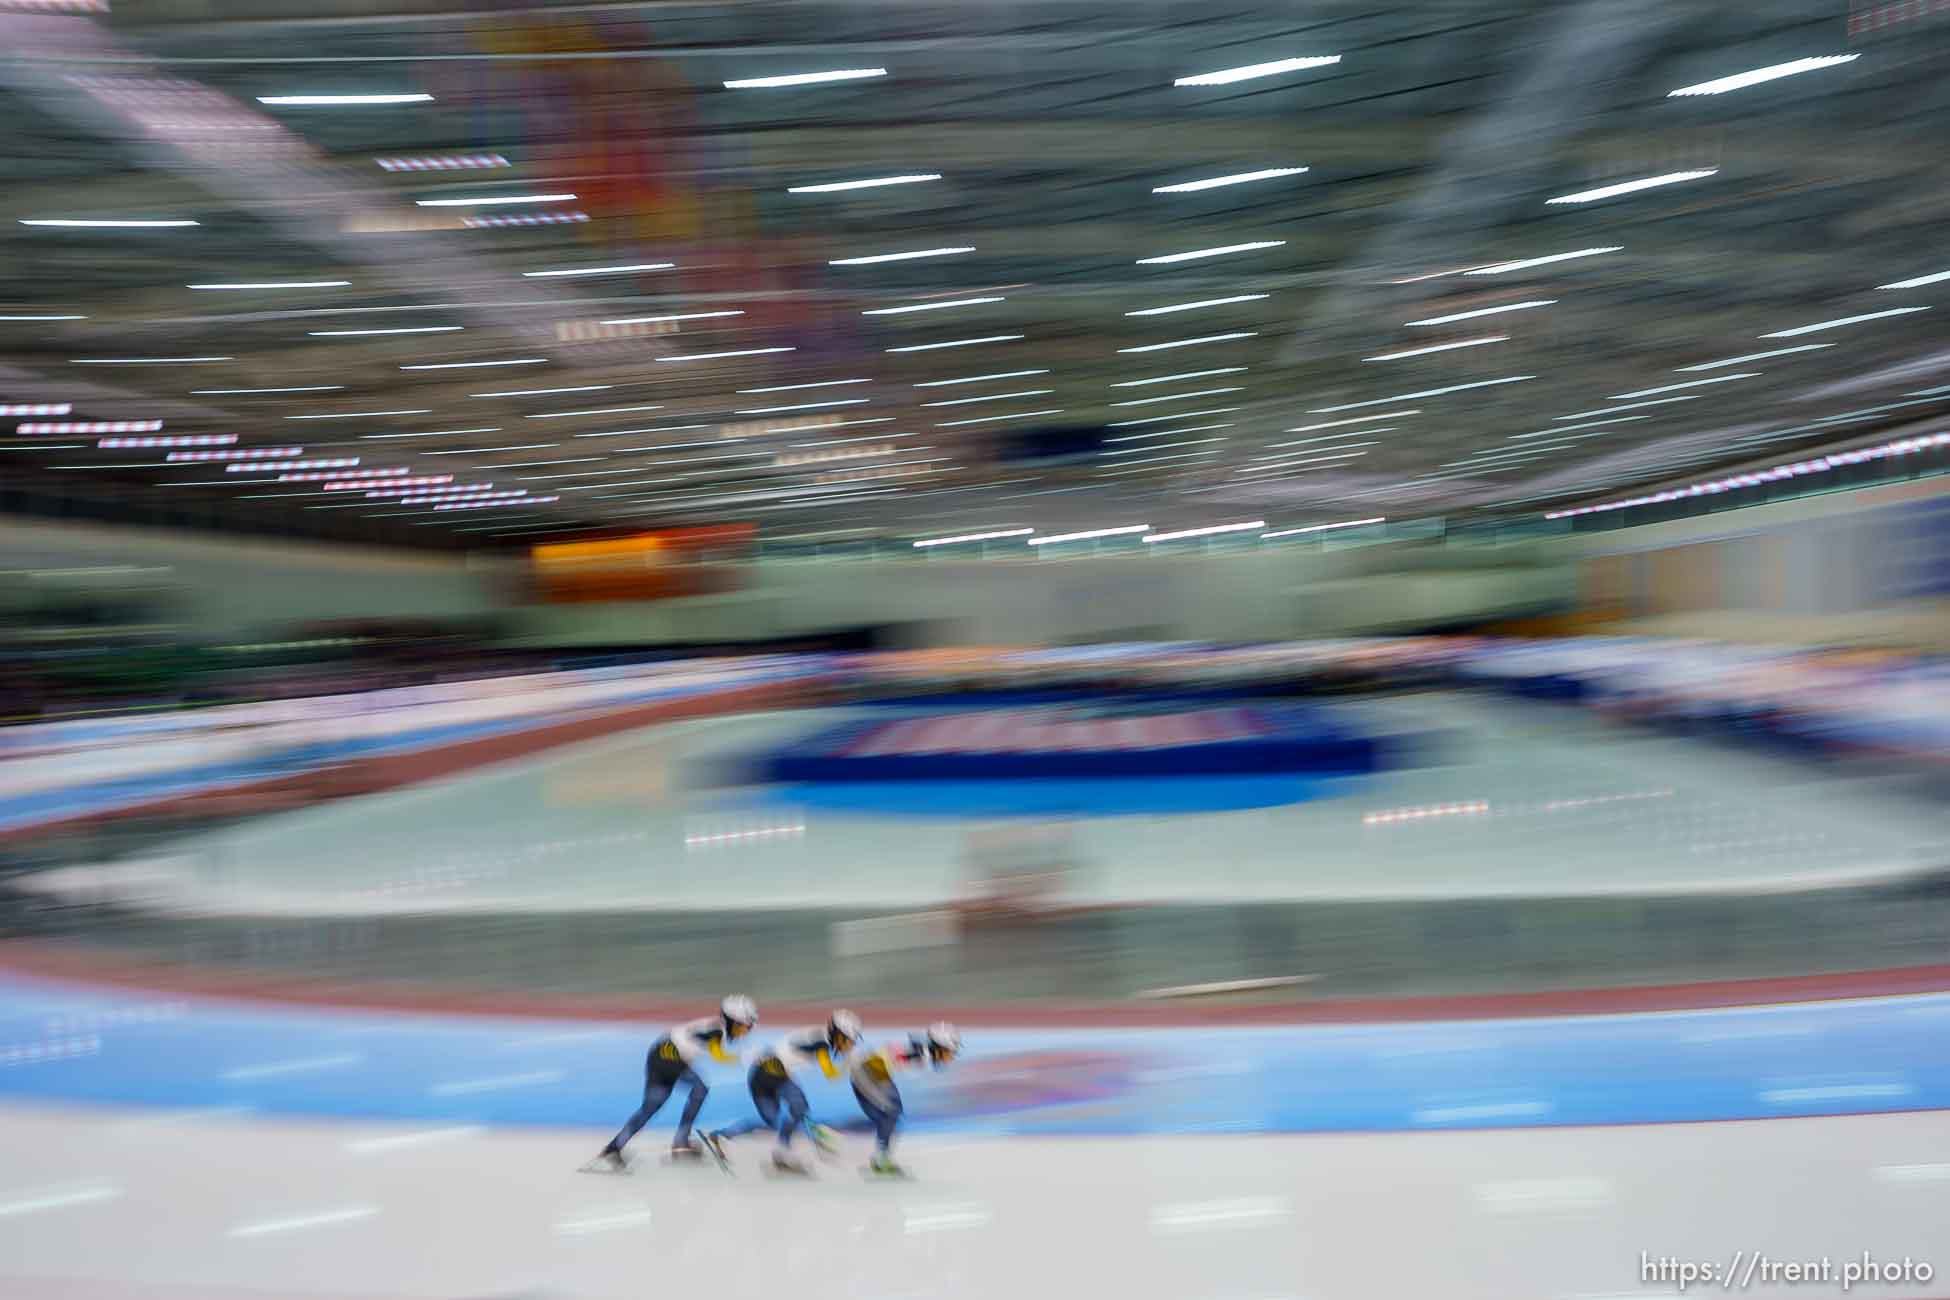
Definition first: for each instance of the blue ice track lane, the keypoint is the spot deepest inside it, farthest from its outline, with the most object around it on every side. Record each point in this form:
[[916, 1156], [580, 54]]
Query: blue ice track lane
[[103, 796], [70, 1043]]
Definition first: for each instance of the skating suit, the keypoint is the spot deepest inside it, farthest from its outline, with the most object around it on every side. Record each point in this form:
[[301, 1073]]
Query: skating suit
[[682, 1048]]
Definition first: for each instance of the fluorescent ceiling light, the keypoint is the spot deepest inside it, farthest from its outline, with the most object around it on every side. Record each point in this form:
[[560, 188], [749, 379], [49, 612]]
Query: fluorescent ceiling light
[[1410, 397], [46, 317], [1186, 343], [992, 397], [308, 388], [899, 257], [431, 433], [278, 284], [713, 356], [1327, 451], [1916, 283], [36, 408], [693, 315], [329, 462], [472, 365], [1453, 317], [1129, 466], [1220, 251], [1633, 187], [490, 451], [394, 484], [974, 537], [1205, 532], [1818, 465], [1629, 406], [601, 270], [1250, 71], [173, 440], [1504, 268], [1187, 374], [930, 306], [977, 379], [834, 187], [330, 100], [1753, 356], [1588, 424], [1237, 178], [494, 200], [1175, 415], [1355, 419], [1086, 536], [805, 78], [145, 361], [404, 329], [256, 453], [1439, 347], [1321, 528], [1335, 437], [1194, 306], [661, 428], [1166, 433], [76, 223], [89, 426], [991, 419], [1773, 72], [356, 415], [1692, 383], [537, 392], [1324, 458], [957, 343], [1837, 324], [804, 406], [823, 383], [1177, 397], [594, 410], [443, 162], [1163, 446]]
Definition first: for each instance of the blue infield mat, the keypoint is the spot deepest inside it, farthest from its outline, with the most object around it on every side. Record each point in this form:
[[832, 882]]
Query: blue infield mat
[[73, 1044]]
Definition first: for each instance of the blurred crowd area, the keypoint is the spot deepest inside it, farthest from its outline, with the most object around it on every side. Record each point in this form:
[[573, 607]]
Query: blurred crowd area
[[1837, 716], [1881, 700]]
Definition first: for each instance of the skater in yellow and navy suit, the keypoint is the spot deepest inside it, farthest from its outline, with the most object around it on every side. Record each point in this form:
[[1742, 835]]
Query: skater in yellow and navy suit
[[874, 1087], [671, 1062]]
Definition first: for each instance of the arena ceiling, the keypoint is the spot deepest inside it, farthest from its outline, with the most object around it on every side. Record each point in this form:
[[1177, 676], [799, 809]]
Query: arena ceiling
[[1406, 324]]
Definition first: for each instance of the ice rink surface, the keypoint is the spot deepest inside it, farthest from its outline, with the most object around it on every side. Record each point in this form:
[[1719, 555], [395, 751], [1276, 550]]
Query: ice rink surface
[[1526, 800], [159, 1147], [111, 1205]]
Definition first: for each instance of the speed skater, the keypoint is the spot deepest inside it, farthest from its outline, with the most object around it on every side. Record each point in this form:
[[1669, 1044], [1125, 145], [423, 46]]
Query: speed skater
[[880, 1097], [780, 1101], [672, 1061]]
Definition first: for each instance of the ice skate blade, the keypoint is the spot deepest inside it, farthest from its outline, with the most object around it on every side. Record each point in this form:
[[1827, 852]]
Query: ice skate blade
[[602, 1166], [785, 1174]]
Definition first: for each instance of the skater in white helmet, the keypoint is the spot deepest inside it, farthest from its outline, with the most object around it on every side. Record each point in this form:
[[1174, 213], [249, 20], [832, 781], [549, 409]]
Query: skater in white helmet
[[880, 1097], [780, 1101], [672, 1061]]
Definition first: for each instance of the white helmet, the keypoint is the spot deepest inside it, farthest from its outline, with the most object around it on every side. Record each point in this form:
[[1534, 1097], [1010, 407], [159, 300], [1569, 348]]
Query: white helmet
[[943, 1037], [848, 1024], [739, 1010]]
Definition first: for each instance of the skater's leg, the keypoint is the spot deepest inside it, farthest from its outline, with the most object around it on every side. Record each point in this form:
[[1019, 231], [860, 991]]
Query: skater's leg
[[655, 1093], [699, 1091], [883, 1107], [792, 1099], [768, 1117], [885, 1113]]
